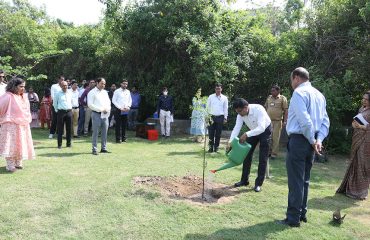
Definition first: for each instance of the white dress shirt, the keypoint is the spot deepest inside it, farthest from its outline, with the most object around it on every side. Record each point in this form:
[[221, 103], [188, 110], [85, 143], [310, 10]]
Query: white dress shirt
[[75, 95], [2, 88], [54, 89], [257, 121], [98, 100], [218, 105], [122, 98]]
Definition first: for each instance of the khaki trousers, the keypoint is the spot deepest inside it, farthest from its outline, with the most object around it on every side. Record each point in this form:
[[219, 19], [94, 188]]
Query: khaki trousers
[[75, 113], [276, 131]]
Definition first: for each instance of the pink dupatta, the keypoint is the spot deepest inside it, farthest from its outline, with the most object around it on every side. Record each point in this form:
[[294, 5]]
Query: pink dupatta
[[14, 109]]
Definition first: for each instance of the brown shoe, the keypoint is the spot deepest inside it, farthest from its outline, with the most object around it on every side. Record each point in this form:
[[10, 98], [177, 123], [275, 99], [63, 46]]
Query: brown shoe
[[18, 167]]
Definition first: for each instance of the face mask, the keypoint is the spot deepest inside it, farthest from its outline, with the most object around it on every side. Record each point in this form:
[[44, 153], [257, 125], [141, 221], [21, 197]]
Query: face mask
[[165, 93]]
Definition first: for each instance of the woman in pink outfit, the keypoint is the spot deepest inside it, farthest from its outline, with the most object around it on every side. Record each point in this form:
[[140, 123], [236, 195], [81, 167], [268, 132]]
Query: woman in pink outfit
[[15, 133]]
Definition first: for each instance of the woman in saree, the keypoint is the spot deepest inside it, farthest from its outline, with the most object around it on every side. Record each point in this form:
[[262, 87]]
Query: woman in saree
[[357, 178]]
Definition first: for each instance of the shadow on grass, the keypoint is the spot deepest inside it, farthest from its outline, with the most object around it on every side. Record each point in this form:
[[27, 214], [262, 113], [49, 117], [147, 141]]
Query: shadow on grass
[[4, 171], [258, 231], [182, 153], [45, 147], [332, 203], [63, 154]]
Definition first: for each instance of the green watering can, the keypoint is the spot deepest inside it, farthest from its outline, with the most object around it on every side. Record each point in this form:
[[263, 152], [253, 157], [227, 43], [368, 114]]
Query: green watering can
[[236, 155]]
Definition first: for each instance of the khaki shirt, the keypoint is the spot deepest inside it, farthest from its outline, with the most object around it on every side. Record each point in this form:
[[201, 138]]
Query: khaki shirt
[[276, 107]]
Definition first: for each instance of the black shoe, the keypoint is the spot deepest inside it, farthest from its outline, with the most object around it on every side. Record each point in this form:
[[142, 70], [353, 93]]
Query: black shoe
[[124, 140], [69, 145], [76, 136], [239, 184], [104, 151], [303, 219], [94, 153], [257, 188], [216, 150], [210, 150], [59, 147], [286, 223]]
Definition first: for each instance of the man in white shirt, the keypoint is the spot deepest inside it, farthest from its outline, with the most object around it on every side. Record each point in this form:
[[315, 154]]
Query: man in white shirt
[[75, 109], [217, 106], [55, 88], [2, 83], [259, 123], [98, 101], [122, 100]]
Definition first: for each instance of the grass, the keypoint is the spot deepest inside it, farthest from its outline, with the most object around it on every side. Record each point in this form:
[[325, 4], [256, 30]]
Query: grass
[[71, 194]]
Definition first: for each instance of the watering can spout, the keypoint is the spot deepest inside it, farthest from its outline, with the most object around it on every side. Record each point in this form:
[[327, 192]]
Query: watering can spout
[[236, 155]]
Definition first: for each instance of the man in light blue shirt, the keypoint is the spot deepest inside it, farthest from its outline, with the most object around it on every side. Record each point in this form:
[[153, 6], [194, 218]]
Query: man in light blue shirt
[[308, 125], [62, 103]]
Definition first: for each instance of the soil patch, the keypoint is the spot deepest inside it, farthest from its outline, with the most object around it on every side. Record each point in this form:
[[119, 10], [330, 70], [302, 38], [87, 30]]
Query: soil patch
[[189, 188]]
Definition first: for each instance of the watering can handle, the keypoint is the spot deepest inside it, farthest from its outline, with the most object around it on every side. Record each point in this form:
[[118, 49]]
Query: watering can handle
[[228, 151]]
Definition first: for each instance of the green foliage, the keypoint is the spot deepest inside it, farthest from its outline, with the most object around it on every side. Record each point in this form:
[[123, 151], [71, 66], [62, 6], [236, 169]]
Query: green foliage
[[27, 39], [181, 44], [191, 44]]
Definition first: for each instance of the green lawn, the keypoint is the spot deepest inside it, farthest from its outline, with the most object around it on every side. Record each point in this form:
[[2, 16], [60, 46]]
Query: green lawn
[[71, 194]]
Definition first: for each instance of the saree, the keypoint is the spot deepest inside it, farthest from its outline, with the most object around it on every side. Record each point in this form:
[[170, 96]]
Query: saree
[[357, 178]]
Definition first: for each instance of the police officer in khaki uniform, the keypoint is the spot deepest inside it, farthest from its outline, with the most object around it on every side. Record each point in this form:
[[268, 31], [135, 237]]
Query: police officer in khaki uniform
[[277, 109]]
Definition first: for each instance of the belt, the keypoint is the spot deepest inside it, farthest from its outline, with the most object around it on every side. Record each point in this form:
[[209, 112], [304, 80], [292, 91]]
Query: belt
[[65, 110], [165, 109], [96, 112], [74, 107]]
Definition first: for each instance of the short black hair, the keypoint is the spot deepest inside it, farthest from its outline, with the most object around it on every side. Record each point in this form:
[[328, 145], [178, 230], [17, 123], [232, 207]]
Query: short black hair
[[301, 72], [98, 80], [73, 82], [47, 92], [240, 103], [164, 89], [218, 85], [368, 95], [276, 87]]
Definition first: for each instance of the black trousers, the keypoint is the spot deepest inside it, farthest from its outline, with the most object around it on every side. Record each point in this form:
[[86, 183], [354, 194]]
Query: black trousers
[[214, 131], [64, 117], [298, 164], [121, 124], [264, 139], [54, 120]]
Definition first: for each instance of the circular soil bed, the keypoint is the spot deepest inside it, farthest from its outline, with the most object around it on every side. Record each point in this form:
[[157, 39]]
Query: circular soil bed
[[189, 188]]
